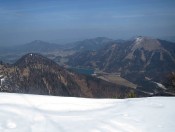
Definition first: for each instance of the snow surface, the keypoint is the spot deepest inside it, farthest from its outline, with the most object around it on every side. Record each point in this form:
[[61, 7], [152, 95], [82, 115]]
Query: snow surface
[[36, 113]]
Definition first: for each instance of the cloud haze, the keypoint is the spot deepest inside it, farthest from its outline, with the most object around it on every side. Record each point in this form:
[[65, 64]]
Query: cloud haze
[[22, 21]]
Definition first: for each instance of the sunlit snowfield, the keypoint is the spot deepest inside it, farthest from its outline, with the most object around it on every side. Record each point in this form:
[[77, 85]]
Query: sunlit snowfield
[[34, 113]]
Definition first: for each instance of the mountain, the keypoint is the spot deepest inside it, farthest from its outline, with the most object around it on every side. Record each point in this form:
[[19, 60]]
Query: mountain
[[10, 54], [70, 49], [38, 46], [34, 46], [91, 44], [36, 74], [142, 61]]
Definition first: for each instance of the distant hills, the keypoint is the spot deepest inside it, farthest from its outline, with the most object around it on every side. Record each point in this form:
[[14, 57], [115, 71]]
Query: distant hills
[[39, 46], [11, 53], [34, 46], [91, 44]]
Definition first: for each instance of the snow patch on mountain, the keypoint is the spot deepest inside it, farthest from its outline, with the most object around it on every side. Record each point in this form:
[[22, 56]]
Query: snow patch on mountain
[[160, 85], [138, 40], [146, 43], [2, 79]]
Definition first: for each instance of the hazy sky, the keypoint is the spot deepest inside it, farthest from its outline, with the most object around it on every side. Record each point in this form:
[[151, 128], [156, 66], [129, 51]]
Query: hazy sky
[[22, 21]]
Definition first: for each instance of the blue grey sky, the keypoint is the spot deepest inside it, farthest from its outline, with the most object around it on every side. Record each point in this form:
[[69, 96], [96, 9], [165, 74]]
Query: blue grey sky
[[62, 21]]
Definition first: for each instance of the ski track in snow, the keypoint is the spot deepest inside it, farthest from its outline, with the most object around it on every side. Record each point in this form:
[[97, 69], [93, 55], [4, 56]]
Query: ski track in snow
[[36, 113]]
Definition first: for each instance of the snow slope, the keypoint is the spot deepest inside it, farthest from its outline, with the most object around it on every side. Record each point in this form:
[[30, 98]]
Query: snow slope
[[36, 113]]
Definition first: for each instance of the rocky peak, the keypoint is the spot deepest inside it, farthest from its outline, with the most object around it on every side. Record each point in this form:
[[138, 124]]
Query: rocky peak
[[32, 59]]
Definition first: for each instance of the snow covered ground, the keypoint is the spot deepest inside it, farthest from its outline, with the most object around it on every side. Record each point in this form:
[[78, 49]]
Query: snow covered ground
[[34, 113]]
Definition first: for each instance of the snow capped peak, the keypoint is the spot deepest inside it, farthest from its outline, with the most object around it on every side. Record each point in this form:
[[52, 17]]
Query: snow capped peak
[[30, 54]]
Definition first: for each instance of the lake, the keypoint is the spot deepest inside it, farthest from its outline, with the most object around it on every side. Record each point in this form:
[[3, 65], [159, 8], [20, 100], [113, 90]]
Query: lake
[[82, 71]]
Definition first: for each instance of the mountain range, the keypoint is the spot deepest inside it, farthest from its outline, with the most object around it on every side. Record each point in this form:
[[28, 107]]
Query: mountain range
[[10, 54], [142, 66]]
